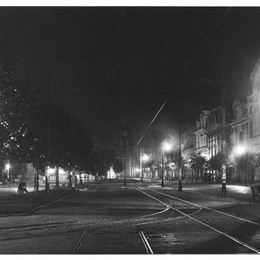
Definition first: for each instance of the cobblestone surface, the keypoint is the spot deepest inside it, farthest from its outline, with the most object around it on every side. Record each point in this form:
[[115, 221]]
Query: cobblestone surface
[[113, 216]]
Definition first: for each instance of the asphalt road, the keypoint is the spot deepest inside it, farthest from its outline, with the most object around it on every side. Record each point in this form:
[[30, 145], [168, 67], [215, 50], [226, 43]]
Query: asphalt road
[[115, 219]]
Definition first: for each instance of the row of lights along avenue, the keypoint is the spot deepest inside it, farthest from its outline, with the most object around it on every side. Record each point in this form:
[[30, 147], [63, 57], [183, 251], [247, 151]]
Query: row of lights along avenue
[[165, 148]]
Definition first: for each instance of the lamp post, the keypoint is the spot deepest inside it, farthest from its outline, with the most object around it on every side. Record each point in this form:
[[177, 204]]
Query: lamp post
[[124, 167], [143, 158], [141, 166], [165, 148], [180, 158], [7, 168]]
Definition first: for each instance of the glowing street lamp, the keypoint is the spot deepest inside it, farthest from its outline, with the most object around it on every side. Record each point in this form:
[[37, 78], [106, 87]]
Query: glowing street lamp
[[143, 158], [136, 169], [166, 147], [240, 150], [7, 168]]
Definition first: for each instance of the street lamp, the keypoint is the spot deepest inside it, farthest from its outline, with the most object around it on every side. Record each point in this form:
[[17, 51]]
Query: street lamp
[[7, 168], [240, 150], [143, 158], [166, 147]]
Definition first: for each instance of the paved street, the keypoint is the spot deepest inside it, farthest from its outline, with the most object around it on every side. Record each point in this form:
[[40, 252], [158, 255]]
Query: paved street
[[109, 218]]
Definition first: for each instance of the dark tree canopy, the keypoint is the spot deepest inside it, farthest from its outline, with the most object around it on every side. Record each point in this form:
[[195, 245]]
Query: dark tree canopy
[[33, 130]]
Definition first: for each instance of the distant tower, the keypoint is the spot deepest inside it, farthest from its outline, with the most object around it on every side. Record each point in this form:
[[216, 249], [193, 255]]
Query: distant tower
[[255, 79], [127, 145]]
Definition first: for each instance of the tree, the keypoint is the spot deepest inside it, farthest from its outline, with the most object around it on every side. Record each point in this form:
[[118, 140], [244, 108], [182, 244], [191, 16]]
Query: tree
[[104, 159], [24, 118], [118, 165], [245, 165], [216, 162], [70, 144], [19, 106], [198, 163]]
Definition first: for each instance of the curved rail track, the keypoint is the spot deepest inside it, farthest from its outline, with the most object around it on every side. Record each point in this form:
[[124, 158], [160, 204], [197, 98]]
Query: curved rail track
[[203, 223], [171, 204], [207, 208]]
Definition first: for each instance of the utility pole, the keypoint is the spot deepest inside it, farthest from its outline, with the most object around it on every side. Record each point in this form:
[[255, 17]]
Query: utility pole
[[162, 167], [37, 180], [125, 141], [57, 177], [180, 161], [48, 152], [124, 167], [180, 157], [141, 166], [48, 129]]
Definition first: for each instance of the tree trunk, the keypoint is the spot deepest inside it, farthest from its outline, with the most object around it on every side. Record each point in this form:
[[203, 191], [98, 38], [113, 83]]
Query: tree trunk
[[57, 177], [37, 181]]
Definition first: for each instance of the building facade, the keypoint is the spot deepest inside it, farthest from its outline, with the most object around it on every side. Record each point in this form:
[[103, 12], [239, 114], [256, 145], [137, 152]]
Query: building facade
[[188, 147], [241, 124], [201, 135], [212, 134]]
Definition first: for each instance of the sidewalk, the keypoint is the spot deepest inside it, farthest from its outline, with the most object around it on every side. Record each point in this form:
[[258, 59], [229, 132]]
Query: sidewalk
[[238, 192], [23, 204]]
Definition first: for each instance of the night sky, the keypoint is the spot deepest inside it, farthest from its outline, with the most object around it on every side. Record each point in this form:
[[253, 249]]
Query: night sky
[[106, 62]]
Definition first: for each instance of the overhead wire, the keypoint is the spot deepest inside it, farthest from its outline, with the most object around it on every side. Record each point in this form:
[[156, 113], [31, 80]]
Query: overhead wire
[[151, 122], [186, 65]]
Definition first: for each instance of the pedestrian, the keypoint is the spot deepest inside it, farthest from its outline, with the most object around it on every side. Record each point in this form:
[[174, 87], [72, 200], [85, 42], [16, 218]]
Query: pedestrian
[[253, 193], [70, 180], [223, 188], [22, 188], [74, 181]]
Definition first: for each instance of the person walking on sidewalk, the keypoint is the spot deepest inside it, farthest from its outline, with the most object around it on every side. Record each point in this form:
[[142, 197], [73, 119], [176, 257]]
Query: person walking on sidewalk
[[223, 184], [255, 191], [223, 188]]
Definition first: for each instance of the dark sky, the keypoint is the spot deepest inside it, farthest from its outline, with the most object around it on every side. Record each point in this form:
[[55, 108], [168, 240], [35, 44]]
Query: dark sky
[[105, 62]]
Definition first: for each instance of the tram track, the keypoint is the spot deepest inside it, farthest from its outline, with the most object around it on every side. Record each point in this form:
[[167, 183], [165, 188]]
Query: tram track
[[167, 208], [31, 211], [147, 246], [49, 224], [81, 243], [83, 231], [200, 208], [140, 229], [207, 208]]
